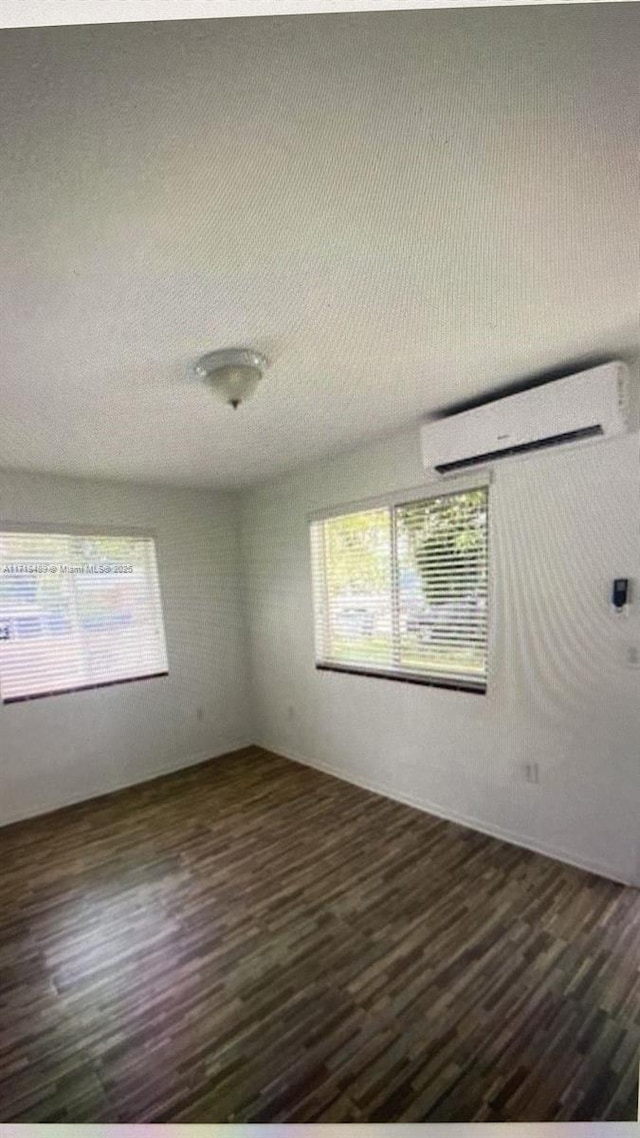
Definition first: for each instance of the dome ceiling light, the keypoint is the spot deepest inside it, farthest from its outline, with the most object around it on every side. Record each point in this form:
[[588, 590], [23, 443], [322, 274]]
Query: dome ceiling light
[[232, 374]]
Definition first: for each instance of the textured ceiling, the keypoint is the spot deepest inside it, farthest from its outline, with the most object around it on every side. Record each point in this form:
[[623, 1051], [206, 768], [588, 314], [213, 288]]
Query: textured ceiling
[[403, 210]]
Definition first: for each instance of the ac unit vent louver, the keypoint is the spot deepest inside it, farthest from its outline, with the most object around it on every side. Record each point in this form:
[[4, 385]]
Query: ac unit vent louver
[[522, 448]]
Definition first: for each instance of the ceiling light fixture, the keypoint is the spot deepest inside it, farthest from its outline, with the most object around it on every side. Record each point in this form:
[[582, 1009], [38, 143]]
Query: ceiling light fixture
[[232, 374]]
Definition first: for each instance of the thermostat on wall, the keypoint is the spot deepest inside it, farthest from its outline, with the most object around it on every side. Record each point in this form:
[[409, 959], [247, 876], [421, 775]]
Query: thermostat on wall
[[620, 595]]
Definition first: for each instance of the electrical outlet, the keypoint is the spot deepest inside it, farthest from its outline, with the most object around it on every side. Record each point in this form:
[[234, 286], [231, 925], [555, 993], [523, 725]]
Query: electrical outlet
[[632, 656], [531, 773], [199, 714]]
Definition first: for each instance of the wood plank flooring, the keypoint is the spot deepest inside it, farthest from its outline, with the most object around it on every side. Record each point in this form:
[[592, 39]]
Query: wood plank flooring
[[249, 940]]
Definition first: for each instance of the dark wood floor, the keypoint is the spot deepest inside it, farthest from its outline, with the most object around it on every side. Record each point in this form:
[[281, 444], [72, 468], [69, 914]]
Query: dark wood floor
[[250, 940]]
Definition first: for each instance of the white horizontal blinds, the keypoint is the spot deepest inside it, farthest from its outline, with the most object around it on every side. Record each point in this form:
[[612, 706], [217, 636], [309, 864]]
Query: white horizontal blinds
[[443, 585], [403, 588], [352, 588], [77, 611], [119, 612], [40, 644]]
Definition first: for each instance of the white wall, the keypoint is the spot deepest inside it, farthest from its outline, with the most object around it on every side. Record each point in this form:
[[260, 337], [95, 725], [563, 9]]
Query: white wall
[[69, 747], [562, 526]]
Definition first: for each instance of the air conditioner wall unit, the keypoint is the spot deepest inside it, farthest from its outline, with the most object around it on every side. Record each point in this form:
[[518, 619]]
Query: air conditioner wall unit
[[594, 404]]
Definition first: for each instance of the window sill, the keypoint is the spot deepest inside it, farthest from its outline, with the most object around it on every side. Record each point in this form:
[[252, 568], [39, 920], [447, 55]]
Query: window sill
[[474, 687], [81, 687]]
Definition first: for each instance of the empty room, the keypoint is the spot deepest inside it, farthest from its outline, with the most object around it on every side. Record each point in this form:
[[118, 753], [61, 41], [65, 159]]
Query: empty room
[[320, 566]]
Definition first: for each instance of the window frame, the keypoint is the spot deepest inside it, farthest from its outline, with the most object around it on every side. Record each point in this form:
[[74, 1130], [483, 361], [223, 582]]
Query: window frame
[[446, 487], [67, 529]]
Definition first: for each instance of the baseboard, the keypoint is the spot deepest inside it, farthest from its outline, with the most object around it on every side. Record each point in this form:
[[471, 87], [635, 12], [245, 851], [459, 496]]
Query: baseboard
[[167, 769], [470, 822]]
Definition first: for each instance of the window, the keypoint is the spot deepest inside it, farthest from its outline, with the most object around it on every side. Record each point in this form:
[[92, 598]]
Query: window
[[77, 611], [401, 589]]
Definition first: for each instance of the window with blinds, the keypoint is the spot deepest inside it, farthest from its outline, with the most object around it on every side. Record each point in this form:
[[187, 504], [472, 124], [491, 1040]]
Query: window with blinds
[[77, 611], [401, 590]]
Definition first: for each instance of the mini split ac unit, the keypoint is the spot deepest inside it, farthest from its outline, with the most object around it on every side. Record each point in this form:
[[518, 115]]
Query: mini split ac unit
[[594, 404]]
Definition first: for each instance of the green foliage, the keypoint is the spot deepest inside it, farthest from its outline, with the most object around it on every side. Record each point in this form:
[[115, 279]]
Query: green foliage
[[359, 552], [451, 529]]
